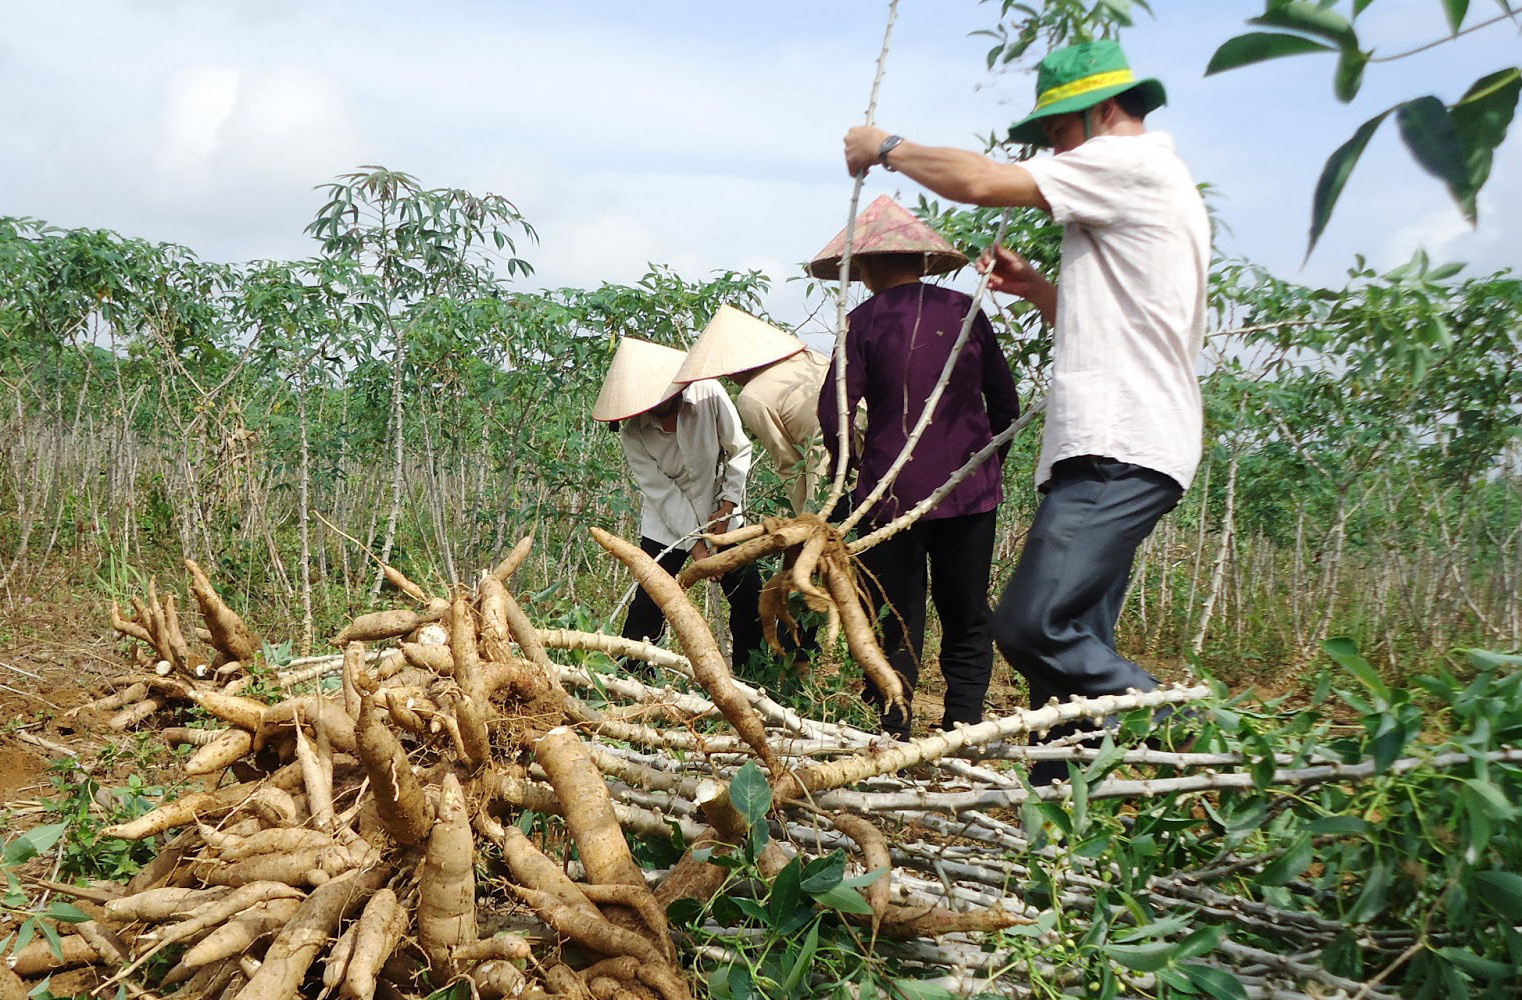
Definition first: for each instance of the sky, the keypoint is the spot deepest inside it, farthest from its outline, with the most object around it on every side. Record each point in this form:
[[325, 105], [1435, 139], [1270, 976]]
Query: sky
[[704, 136]]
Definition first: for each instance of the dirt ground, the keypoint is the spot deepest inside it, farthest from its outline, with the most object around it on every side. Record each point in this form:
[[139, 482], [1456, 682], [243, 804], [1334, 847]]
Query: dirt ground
[[55, 646]]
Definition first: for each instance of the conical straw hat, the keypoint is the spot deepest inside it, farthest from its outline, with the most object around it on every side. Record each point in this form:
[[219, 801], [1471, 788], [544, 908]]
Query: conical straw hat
[[887, 227], [735, 341], [638, 380]]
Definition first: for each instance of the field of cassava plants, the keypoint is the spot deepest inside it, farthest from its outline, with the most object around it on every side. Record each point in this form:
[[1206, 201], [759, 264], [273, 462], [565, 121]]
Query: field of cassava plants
[[310, 679]]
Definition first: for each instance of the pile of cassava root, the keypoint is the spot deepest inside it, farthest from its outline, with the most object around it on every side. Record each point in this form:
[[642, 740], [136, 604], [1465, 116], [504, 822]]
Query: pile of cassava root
[[364, 837]]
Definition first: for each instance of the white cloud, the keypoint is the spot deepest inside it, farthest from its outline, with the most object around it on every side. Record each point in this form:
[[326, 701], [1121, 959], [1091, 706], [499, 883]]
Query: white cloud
[[200, 100]]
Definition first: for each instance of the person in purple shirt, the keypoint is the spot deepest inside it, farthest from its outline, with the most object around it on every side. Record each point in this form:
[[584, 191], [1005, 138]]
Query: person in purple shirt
[[897, 345]]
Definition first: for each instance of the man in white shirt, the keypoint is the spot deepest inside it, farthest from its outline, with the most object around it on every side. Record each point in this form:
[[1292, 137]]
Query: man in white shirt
[[689, 458], [1123, 419]]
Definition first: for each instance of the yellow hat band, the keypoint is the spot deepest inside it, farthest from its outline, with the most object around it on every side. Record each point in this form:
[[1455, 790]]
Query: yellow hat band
[[1086, 85]]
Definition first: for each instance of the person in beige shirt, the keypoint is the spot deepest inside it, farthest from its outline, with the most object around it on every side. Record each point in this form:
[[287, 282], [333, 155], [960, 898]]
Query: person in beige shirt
[[780, 379]]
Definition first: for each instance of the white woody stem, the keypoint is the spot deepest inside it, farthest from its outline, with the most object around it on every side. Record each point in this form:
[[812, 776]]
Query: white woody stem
[[935, 394], [840, 773], [843, 430]]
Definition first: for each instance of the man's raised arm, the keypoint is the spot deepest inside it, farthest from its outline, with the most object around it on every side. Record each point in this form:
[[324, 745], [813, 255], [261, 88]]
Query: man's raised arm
[[957, 174]]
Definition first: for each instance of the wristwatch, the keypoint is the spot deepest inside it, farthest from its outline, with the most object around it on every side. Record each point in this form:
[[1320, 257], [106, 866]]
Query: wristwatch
[[886, 148]]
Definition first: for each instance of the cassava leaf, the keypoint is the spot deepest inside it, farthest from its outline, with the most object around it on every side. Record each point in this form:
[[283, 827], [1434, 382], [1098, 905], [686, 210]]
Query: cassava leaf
[[1311, 19], [1429, 133], [1481, 118], [750, 793], [1455, 11], [1260, 46], [1349, 75], [1334, 177]]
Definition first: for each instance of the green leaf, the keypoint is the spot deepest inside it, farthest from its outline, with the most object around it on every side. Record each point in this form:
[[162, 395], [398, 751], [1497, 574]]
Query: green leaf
[[684, 911], [1215, 981], [786, 892], [33, 842], [1487, 969], [754, 910], [842, 898], [1455, 9], [1494, 799], [1310, 19], [756, 841], [1371, 901], [1349, 75], [1340, 825], [741, 986], [67, 912], [805, 956], [750, 793], [1200, 942], [1345, 652], [918, 989], [1502, 892], [1147, 957], [1166, 927], [1109, 754], [823, 874], [1429, 133], [1334, 177], [865, 879], [24, 934], [55, 942], [1290, 865], [1260, 46], [1481, 117]]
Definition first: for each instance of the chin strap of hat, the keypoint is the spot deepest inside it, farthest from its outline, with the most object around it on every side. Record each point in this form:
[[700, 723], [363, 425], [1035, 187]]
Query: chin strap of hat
[[1088, 123]]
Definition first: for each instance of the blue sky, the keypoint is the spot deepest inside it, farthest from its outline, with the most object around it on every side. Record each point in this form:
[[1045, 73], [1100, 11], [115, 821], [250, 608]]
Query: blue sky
[[702, 135]]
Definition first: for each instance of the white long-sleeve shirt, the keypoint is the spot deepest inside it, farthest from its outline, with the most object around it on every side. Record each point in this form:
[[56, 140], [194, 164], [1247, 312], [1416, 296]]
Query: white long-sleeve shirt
[[684, 475]]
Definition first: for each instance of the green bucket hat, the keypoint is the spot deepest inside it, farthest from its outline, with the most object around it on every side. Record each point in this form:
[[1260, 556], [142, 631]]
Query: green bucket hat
[[1079, 77]]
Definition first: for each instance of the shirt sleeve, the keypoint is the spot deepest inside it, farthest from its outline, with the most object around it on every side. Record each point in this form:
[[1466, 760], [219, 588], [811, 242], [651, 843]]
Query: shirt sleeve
[[661, 495], [1090, 185], [735, 448], [999, 393]]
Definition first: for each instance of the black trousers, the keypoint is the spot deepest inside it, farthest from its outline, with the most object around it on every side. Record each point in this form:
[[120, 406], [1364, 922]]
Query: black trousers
[[741, 587], [1056, 620], [958, 552]]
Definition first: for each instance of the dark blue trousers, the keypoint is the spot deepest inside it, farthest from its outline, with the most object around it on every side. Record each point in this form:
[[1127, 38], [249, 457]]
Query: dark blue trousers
[[1056, 620]]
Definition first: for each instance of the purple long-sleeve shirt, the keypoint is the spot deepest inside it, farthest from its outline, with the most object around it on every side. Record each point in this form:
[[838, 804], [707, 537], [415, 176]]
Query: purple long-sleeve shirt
[[896, 347]]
